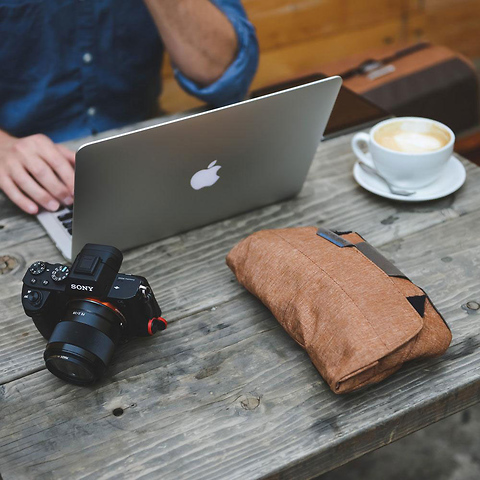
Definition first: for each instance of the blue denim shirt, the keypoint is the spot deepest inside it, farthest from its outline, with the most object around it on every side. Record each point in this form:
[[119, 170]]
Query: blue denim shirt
[[71, 68]]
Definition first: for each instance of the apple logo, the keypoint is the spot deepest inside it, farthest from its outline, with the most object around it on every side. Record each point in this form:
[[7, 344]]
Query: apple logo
[[206, 177]]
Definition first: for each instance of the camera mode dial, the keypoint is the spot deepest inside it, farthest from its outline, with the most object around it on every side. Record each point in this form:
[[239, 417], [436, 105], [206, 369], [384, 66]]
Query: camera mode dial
[[60, 273], [37, 268]]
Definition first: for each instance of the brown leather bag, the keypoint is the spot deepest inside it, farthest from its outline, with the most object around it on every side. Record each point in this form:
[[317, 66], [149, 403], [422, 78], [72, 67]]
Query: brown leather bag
[[422, 80], [358, 317]]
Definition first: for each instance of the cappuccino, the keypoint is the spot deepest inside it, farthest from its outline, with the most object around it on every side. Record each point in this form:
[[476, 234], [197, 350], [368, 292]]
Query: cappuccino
[[408, 136]]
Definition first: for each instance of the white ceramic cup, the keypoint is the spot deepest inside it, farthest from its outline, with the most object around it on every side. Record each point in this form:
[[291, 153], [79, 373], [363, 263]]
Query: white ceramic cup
[[401, 169]]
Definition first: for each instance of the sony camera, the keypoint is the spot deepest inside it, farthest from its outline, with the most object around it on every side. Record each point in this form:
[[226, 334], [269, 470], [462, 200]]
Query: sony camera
[[86, 310]]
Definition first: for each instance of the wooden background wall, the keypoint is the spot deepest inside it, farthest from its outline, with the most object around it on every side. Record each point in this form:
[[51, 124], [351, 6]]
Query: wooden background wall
[[296, 36]]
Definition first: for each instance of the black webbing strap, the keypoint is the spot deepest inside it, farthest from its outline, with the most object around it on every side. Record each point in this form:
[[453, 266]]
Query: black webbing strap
[[417, 301], [379, 260], [370, 252], [334, 238]]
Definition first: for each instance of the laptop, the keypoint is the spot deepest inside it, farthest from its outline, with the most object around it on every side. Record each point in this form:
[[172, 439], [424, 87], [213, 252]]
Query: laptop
[[152, 183]]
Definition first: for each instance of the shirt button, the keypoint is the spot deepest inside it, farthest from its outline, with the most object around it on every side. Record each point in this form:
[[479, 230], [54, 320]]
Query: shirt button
[[91, 111], [87, 57]]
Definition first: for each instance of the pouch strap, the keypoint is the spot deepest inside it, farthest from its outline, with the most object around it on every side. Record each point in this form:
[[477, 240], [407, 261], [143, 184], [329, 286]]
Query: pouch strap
[[379, 260], [370, 252], [334, 238], [417, 301]]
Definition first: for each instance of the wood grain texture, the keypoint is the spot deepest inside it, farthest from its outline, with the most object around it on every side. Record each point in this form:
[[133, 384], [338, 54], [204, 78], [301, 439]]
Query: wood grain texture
[[301, 58], [321, 31], [224, 392], [187, 272], [454, 24], [283, 23]]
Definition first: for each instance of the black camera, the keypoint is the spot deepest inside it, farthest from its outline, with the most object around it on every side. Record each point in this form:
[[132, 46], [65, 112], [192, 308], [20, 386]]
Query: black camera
[[85, 311]]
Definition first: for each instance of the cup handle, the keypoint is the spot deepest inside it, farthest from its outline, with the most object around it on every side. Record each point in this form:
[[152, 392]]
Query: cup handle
[[357, 139]]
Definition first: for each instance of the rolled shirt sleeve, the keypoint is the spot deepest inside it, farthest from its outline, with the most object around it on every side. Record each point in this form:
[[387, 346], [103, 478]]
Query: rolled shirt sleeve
[[233, 85]]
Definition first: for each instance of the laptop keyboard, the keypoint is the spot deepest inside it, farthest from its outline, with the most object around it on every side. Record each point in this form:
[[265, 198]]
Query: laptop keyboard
[[65, 217]]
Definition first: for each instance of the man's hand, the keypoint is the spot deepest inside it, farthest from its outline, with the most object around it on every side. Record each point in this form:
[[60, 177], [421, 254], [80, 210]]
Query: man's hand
[[35, 172]]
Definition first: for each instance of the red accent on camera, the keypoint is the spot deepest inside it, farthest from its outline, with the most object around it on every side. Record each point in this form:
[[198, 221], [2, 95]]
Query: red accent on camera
[[151, 323]]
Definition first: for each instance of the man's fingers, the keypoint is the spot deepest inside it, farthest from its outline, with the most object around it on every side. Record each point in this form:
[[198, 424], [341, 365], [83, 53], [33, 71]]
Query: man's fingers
[[60, 164], [17, 196], [34, 169], [68, 154], [35, 191], [64, 169], [45, 176]]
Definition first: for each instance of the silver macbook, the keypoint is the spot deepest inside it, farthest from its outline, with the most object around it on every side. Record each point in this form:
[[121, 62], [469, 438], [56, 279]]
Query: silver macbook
[[152, 183]]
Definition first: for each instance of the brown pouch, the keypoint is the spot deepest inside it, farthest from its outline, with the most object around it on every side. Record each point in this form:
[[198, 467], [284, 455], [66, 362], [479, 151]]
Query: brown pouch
[[358, 317]]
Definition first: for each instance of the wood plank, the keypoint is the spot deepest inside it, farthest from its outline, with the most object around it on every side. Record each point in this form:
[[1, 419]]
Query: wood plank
[[434, 5], [14, 220], [296, 37], [226, 393], [302, 57], [283, 23], [454, 24], [187, 272], [306, 57], [286, 23], [174, 99]]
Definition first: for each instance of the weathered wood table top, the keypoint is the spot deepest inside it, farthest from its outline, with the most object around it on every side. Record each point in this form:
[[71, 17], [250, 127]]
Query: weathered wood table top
[[224, 392]]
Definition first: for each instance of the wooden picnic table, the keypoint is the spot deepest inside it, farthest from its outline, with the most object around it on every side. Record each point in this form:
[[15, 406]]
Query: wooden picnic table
[[224, 392]]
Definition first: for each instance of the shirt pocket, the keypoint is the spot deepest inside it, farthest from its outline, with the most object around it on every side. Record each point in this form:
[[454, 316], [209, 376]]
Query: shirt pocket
[[22, 34]]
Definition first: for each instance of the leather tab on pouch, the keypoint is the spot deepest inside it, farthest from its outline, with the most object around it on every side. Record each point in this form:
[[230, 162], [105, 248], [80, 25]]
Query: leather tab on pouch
[[334, 238], [370, 252], [379, 260]]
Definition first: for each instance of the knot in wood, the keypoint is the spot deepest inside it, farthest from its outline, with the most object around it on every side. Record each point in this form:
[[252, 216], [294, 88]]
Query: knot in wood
[[7, 264], [471, 307], [249, 402]]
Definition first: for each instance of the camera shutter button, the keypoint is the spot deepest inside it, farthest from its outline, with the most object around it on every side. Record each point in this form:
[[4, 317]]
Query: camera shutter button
[[35, 298]]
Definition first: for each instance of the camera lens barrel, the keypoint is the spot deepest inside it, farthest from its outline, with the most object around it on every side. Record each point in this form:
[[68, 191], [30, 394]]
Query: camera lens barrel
[[82, 344]]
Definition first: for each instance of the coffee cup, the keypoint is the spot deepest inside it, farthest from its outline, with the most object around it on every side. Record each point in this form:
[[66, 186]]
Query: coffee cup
[[409, 152]]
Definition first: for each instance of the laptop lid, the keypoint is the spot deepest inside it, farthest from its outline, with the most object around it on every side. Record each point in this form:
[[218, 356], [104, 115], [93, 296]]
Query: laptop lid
[[149, 184]]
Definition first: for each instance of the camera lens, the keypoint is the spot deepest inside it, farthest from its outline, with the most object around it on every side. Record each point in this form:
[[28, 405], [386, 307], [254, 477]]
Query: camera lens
[[82, 344], [68, 367]]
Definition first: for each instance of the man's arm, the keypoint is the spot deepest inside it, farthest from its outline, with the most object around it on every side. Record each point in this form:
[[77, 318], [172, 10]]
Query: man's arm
[[200, 39], [34, 172]]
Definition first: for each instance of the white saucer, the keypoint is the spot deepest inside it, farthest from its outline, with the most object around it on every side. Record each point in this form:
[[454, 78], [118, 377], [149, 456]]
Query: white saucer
[[453, 177]]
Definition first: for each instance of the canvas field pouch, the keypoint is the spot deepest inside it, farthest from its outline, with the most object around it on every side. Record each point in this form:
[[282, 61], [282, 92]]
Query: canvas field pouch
[[356, 314]]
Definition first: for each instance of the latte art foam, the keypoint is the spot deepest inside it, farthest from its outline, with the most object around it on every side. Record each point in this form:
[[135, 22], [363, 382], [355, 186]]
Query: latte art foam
[[412, 137]]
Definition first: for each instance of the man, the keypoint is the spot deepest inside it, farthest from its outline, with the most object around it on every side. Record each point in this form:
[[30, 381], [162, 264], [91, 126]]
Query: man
[[77, 67]]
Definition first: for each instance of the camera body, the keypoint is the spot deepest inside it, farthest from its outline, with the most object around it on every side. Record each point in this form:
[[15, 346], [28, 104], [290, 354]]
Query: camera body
[[86, 310]]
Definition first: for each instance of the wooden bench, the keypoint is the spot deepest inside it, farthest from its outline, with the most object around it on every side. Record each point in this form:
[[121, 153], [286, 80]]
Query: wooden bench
[[224, 392]]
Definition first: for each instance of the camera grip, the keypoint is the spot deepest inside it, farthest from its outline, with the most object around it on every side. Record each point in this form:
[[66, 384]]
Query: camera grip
[[38, 305], [43, 326]]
